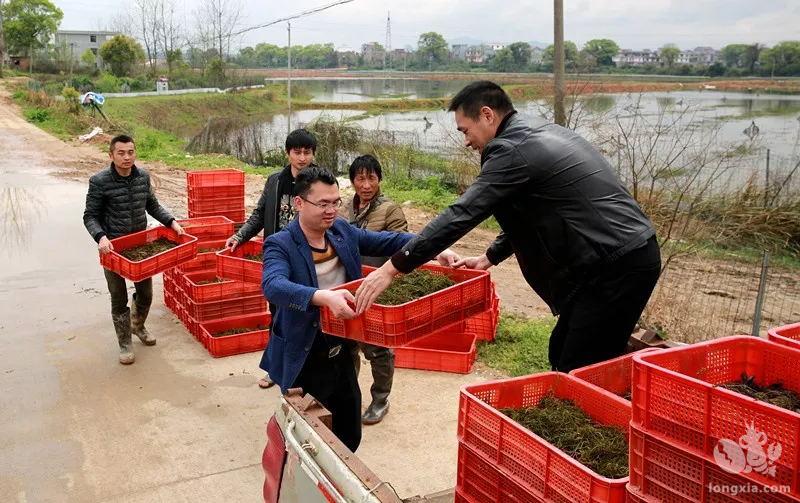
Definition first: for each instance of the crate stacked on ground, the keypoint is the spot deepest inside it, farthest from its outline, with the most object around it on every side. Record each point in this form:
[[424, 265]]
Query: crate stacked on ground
[[500, 460], [216, 192], [208, 304], [693, 440]]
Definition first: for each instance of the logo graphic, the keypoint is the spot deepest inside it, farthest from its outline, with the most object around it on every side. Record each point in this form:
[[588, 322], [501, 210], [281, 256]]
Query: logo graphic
[[750, 454]]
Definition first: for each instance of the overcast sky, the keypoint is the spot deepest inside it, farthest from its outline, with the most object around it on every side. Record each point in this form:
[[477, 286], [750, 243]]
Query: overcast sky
[[633, 24]]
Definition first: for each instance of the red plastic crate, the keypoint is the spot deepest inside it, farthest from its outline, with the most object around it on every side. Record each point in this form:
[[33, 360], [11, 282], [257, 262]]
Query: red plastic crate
[[216, 291], [195, 193], [210, 246], [225, 308], [611, 375], [216, 204], [395, 326], [208, 228], [443, 351], [214, 178], [478, 481], [662, 472], [787, 335], [233, 214], [233, 265], [149, 267], [228, 345], [169, 301], [203, 262], [676, 396], [484, 325], [525, 458]]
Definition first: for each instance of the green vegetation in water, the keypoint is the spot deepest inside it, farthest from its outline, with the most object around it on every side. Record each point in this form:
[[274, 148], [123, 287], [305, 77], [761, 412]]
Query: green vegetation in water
[[210, 281], [243, 330], [412, 286], [520, 347], [774, 394], [144, 251], [252, 256], [603, 449]]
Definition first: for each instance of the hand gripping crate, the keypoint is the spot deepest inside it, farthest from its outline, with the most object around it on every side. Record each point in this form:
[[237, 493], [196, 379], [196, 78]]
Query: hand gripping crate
[[787, 335], [611, 375], [444, 351], [526, 459], [395, 326], [660, 471], [185, 251], [676, 396], [208, 229], [246, 342], [234, 265], [198, 291]]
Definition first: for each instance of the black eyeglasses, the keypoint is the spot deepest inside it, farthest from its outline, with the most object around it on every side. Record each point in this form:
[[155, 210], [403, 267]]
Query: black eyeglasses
[[325, 206]]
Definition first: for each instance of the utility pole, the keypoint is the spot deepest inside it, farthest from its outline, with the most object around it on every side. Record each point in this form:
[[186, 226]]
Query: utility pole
[[387, 49], [2, 42], [558, 61], [289, 78]]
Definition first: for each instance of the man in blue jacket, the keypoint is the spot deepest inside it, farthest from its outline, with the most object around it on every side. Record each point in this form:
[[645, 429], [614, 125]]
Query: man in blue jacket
[[302, 263]]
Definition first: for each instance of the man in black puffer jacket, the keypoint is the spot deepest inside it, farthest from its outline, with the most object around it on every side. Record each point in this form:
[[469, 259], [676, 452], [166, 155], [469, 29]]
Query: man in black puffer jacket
[[116, 203], [582, 242]]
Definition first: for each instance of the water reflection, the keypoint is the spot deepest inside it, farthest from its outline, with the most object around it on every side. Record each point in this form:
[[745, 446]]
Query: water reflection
[[22, 209]]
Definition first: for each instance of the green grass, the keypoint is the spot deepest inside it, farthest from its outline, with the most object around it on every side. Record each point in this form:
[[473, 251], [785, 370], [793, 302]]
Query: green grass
[[520, 347]]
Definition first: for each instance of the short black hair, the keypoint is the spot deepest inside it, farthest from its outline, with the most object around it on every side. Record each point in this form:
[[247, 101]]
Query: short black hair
[[366, 164], [120, 138], [482, 93], [301, 138], [311, 175]]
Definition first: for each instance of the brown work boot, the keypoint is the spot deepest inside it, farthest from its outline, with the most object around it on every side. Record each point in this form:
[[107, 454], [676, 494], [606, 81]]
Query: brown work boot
[[138, 317], [122, 325]]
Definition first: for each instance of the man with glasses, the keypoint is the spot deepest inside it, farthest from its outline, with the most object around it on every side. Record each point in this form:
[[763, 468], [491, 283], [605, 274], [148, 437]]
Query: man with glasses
[[315, 253], [274, 210]]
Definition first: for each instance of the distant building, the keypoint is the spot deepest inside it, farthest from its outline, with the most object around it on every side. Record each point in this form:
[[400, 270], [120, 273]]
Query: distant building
[[699, 56], [627, 57], [537, 55], [458, 52], [372, 54], [76, 42]]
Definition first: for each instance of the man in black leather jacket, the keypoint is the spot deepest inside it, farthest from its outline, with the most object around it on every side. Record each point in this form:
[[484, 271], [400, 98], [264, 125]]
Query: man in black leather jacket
[[116, 204], [582, 242]]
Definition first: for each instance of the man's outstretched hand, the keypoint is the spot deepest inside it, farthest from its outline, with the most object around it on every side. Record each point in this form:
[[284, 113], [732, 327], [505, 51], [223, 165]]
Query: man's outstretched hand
[[480, 263], [338, 301], [104, 245], [448, 258], [373, 285]]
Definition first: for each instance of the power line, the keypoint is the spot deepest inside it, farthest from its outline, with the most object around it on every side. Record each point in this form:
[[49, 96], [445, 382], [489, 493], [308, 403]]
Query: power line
[[289, 18]]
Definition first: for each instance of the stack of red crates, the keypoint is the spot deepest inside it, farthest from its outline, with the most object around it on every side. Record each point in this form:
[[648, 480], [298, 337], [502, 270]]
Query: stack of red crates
[[499, 460], [692, 440], [216, 192], [208, 307]]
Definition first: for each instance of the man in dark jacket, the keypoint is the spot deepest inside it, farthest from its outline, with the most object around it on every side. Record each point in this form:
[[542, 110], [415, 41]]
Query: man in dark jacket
[[582, 242], [274, 210], [116, 204]]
